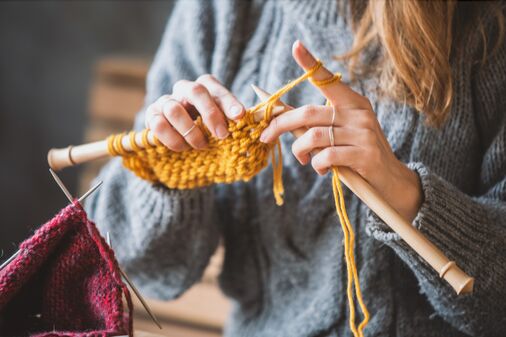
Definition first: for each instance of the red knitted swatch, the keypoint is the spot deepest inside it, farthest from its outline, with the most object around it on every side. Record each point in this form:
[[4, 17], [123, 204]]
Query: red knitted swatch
[[64, 282]]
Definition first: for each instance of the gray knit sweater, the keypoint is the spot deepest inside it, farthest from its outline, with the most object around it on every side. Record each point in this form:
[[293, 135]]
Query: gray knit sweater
[[284, 268]]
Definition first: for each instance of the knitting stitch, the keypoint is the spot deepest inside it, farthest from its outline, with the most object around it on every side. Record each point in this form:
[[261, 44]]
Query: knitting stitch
[[65, 282], [238, 157]]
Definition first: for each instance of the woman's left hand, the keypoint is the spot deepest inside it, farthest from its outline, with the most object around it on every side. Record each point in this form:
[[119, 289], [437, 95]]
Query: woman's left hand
[[348, 134]]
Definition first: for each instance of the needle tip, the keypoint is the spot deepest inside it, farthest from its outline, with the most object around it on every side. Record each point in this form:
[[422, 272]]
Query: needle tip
[[61, 185], [90, 191], [262, 94]]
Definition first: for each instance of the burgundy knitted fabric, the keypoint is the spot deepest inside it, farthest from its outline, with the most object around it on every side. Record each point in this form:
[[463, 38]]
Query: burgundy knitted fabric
[[64, 282]]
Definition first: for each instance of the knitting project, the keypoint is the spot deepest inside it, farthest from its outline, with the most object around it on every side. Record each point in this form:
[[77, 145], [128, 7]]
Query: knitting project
[[65, 282], [239, 157]]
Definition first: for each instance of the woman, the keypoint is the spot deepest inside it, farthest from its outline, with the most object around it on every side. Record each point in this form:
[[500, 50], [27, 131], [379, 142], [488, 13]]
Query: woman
[[422, 120]]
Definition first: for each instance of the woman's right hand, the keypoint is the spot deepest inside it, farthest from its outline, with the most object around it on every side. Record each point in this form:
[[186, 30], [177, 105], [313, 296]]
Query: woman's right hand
[[171, 117]]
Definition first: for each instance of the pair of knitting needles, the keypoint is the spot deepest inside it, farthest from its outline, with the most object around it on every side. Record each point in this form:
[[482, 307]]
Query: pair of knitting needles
[[123, 274], [447, 269], [68, 195]]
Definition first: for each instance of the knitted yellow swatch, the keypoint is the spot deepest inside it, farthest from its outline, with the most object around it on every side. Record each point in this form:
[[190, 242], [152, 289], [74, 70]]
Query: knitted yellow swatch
[[239, 157]]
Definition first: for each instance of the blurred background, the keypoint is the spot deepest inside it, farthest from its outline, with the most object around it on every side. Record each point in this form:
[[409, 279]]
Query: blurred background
[[72, 72], [48, 61]]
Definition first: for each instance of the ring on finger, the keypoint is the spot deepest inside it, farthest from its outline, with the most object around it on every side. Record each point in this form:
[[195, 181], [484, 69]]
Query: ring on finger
[[189, 130], [331, 136], [333, 115]]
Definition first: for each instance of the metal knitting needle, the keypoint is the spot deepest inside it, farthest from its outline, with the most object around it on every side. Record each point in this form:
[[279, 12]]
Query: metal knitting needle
[[68, 195], [136, 292], [90, 191], [61, 185], [66, 191], [9, 260]]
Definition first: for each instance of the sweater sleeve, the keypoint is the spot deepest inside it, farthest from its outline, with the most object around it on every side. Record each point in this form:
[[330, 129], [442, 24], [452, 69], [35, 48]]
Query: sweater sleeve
[[163, 238], [470, 230]]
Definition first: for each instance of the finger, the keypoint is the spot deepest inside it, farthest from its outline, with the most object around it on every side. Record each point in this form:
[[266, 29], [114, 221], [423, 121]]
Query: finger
[[198, 95], [151, 111], [154, 109], [166, 134], [223, 97], [320, 137], [179, 118], [338, 93], [305, 116], [335, 156]]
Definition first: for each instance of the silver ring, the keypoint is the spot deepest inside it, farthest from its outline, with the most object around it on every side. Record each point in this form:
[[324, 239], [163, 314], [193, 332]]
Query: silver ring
[[333, 115], [331, 135], [189, 130]]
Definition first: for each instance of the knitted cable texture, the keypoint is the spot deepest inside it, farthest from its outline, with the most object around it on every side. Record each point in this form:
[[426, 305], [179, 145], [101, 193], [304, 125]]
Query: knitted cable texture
[[239, 157], [65, 282]]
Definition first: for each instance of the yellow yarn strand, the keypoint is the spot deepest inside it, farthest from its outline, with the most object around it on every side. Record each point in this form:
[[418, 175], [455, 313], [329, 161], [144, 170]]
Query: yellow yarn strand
[[240, 157], [351, 266], [349, 243]]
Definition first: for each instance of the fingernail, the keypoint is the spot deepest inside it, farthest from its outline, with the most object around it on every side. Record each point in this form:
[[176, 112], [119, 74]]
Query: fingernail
[[301, 45], [221, 132], [235, 111]]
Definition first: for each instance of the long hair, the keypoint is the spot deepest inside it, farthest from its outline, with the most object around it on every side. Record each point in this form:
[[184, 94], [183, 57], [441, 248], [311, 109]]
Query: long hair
[[417, 40]]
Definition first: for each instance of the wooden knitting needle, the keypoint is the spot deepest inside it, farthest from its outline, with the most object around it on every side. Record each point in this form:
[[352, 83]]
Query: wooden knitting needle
[[59, 159], [456, 277], [69, 197], [136, 292]]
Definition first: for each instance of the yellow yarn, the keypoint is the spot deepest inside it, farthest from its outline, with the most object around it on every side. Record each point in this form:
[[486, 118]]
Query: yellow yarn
[[239, 157]]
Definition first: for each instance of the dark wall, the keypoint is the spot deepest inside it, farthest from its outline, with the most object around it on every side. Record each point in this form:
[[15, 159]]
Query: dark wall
[[47, 52]]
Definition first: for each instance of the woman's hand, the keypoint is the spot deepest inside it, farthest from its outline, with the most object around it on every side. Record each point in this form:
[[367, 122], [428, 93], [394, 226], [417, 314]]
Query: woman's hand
[[171, 117], [348, 134]]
